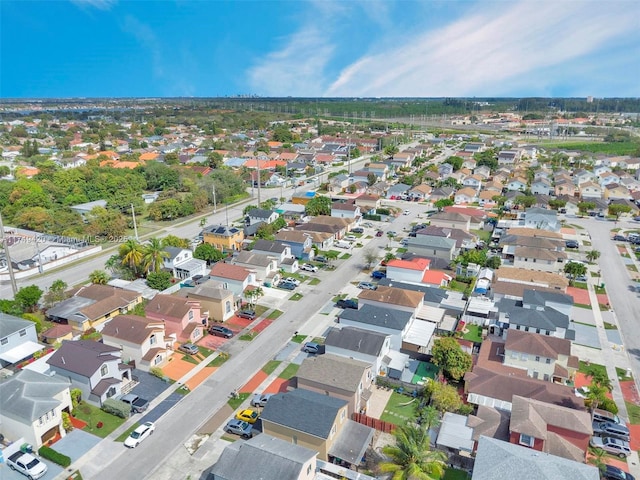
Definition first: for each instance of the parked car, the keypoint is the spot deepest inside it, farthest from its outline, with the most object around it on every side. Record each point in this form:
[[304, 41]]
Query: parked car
[[379, 233], [367, 224], [600, 415], [291, 280], [357, 230], [406, 212], [347, 303], [311, 347], [248, 314], [247, 415], [619, 238], [139, 434], [377, 274], [614, 446], [611, 429], [614, 473], [367, 286], [189, 349], [220, 331], [138, 405], [239, 427], [351, 238], [307, 267], [581, 278], [260, 400], [286, 286], [27, 465], [572, 244], [636, 219], [321, 259]]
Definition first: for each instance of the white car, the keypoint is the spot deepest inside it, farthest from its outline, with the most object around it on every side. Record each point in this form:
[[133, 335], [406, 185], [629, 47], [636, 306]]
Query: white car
[[307, 267], [139, 434], [351, 238], [406, 212]]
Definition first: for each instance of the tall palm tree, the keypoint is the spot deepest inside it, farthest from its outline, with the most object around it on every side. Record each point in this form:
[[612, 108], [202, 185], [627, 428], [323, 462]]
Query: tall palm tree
[[99, 277], [254, 295], [153, 254], [131, 254], [411, 457]]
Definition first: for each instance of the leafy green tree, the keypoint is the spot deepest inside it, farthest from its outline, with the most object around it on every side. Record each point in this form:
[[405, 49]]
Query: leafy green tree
[[159, 280], [428, 416], [493, 262], [499, 199], [174, 241], [371, 178], [153, 255], [527, 201], [449, 356], [318, 205], [32, 317], [411, 457], [206, 251], [99, 277], [171, 158], [444, 397], [584, 207], [557, 204], [370, 257], [574, 270], [479, 257], [455, 161], [160, 176], [215, 159], [616, 209], [55, 293], [27, 298], [391, 150], [443, 202]]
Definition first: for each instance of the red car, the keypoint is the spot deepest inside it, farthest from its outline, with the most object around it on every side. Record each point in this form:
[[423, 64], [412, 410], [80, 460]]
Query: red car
[[379, 233]]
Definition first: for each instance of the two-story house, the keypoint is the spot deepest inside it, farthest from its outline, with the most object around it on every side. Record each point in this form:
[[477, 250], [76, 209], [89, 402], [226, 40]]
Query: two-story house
[[386, 321], [300, 243], [182, 317], [554, 429], [93, 367], [319, 422], [265, 267], [590, 191], [182, 265], [223, 238], [18, 339], [345, 210], [278, 250], [142, 340], [233, 277], [31, 406], [542, 219], [520, 315], [466, 195], [340, 377], [216, 300], [260, 215]]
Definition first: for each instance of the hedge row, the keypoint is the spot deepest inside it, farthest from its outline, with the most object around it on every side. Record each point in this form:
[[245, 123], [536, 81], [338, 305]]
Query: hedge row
[[55, 457]]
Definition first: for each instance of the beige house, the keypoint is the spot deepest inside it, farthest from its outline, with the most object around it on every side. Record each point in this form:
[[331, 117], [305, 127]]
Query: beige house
[[213, 298], [531, 258], [451, 220], [339, 377], [140, 339], [392, 297]]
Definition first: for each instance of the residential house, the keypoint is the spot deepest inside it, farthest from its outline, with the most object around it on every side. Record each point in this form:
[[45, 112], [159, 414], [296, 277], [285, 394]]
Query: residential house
[[445, 170], [442, 192], [499, 460], [398, 190], [31, 407], [233, 277], [93, 305], [339, 183], [392, 297], [614, 191], [299, 242], [18, 339], [432, 246], [340, 377], [521, 315], [474, 181], [319, 422], [583, 176], [590, 191], [483, 170], [542, 219], [542, 356], [380, 170], [539, 259], [486, 198], [141, 340], [265, 267], [607, 178], [387, 321], [532, 278], [541, 187], [182, 265], [215, 300], [420, 192], [475, 147], [93, 367], [182, 317], [347, 209], [336, 226], [517, 185], [549, 428], [223, 238], [565, 186], [278, 250], [84, 209], [260, 215], [367, 203], [275, 180], [402, 159], [466, 195], [508, 157]]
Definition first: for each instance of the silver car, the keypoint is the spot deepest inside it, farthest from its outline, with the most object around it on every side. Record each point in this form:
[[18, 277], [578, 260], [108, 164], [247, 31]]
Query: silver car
[[260, 400], [611, 445]]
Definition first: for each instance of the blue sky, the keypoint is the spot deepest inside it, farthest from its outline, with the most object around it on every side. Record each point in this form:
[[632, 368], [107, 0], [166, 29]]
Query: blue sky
[[365, 48]]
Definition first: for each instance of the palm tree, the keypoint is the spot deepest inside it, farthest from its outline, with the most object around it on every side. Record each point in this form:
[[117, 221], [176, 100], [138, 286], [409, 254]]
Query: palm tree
[[411, 457], [254, 295], [99, 277], [131, 254], [593, 255], [598, 458], [153, 254]]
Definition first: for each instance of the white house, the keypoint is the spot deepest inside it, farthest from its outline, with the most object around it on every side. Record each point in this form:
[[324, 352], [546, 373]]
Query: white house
[[18, 339], [181, 263]]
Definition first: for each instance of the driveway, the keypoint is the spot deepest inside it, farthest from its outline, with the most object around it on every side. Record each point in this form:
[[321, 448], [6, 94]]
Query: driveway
[[587, 335], [76, 443], [150, 386]]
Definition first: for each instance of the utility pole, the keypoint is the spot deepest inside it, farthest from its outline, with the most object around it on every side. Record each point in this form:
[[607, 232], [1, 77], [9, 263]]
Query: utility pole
[[259, 182], [215, 206], [3, 241], [135, 225]]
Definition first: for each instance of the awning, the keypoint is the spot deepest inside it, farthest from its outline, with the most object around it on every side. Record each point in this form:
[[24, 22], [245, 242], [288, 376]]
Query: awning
[[352, 442], [21, 352], [420, 333]]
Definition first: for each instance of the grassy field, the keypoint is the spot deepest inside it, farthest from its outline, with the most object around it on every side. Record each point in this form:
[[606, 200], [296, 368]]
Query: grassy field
[[613, 148], [93, 415], [455, 474], [622, 374], [270, 366], [247, 337], [239, 400], [399, 409], [289, 371], [588, 368], [298, 338], [219, 360], [314, 281]]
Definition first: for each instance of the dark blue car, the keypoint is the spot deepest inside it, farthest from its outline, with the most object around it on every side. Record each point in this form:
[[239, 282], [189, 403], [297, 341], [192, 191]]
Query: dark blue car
[[378, 275]]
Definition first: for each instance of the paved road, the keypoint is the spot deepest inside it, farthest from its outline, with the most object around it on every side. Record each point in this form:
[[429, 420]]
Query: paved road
[[163, 456]]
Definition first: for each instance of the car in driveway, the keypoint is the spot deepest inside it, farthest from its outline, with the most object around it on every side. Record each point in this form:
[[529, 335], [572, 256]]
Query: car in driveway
[[379, 233], [612, 472], [247, 415], [189, 349], [312, 347], [357, 230], [367, 286], [139, 434], [611, 429], [220, 331], [619, 238], [291, 280], [611, 445], [377, 274], [351, 238], [239, 427], [347, 303], [571, 244], [321, 259], [260, 400], [307, 267], [248, 314], [286, 286]]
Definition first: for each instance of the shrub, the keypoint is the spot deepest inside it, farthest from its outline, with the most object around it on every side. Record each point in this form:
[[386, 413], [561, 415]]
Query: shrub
[[76, 397], [375, 218], [55, 457], [609, 405], [116, 407], [156, 372], [66, 422], [383, 211]]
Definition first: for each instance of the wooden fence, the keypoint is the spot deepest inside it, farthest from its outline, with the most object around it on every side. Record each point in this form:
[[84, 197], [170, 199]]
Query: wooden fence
[[373, 422]]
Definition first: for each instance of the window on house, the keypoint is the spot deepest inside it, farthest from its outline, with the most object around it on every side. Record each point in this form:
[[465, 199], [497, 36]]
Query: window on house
[[309, 469], [535, 374], [196, 333], [227, 307], [547, 361], [4, 341], [190, 314], [524, 357], [526, 329], [157, 360], [546, 377], [514, 354], [104, 370], [526, 440], [40, 421], [111, 392], [152, 339], [23, 332], [537, 358]]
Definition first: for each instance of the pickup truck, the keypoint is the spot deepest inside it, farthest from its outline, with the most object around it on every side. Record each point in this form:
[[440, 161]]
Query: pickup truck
[[138, 405], [27, 465]]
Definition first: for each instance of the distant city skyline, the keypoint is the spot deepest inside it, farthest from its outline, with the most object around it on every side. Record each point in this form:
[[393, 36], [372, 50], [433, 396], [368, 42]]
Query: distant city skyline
[[350, 48]]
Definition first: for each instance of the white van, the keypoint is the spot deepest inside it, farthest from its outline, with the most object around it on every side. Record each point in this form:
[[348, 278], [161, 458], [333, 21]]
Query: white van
[[343, 244]]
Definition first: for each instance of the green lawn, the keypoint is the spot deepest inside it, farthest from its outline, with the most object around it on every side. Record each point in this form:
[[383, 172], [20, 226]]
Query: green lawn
[[123, 436], [401, 250], [580, 285], [92, 415], [483, 235], [609, 326], [634, 413], [275, 314], [345, 256], [219, 360], [455, 474], [247, 337], [588, 368], [399, 409], [270, 366], [236, 402], [298, 338], [622, 374], [474, 334], [314, 281], [295, 297], [190, 359], [289, 371], [297, 276], [339, 297], [260, 310], [614, 148]]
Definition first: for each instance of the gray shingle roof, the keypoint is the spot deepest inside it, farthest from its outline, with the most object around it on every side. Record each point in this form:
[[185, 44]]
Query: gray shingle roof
[[356, 339], [83, 357], [304, 410], [432, 242], [10, 324], [29, 395], [339, 372], [269, 246], [260, 213], [540, 299], [498, 460], [263, 457], [547, 319], [378, 316]]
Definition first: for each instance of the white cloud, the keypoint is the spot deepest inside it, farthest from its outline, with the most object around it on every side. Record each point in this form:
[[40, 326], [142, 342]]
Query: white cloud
[[296, 69], [498, 48], [145, 35], [99, 4]]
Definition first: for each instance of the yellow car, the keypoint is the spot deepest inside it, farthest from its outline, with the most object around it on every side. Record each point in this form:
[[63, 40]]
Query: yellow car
[[248, 415]]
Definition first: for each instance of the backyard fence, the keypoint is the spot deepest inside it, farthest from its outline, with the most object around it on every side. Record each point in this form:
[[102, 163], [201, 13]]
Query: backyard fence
[[375, 423]]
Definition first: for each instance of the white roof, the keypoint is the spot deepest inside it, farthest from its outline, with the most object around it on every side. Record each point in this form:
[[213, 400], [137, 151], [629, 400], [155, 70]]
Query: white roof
[[420, 333], [431, 314], [481, 305], [454, 433], [21, 351]]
